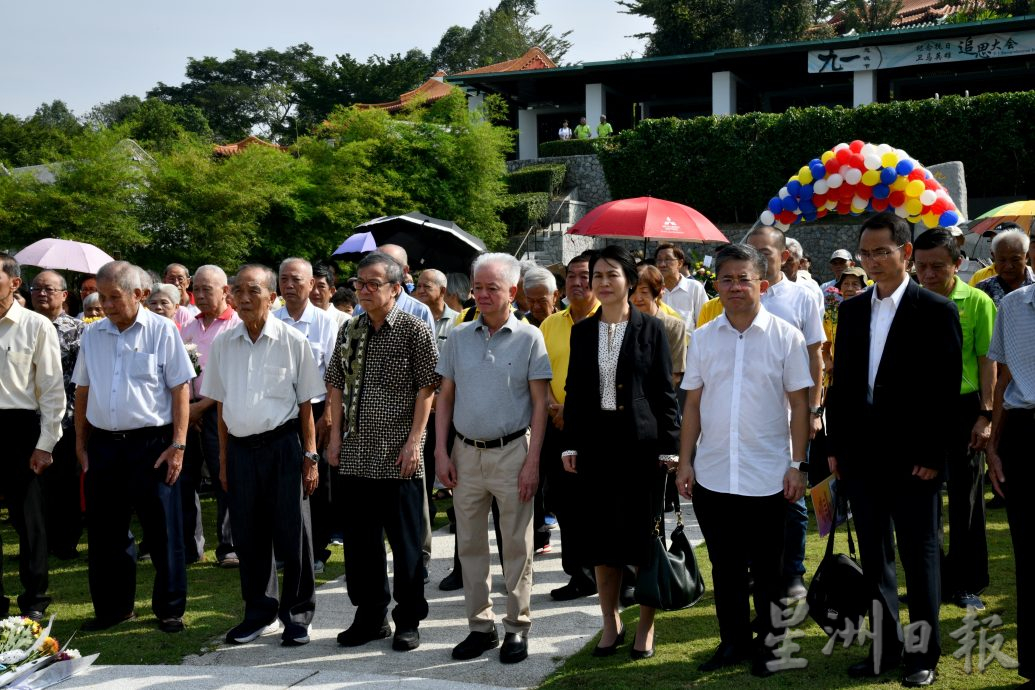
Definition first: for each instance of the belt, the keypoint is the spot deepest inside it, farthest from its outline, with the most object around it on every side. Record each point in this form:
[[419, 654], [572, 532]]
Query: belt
[[261, 439], [130, 434], [492, 443]]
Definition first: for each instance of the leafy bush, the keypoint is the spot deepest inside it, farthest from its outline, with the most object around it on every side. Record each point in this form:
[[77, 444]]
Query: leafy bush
[[729, 167], [547, 177], [571, 147], [522, 211]]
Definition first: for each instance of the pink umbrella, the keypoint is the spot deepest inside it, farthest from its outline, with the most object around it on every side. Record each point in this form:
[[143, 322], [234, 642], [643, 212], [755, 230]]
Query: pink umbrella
[[63, 254]]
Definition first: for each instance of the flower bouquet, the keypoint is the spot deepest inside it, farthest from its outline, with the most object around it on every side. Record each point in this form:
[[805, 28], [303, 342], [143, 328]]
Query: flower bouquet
[[27, 647]]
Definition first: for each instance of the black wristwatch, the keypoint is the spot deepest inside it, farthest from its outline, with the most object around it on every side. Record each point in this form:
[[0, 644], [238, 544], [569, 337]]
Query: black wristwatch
[[816, 411], [987, 414], [178, 446], [802, 466], [312, 457]]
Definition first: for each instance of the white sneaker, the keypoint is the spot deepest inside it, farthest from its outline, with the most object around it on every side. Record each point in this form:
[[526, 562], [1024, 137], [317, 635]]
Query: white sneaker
[[246, 632]]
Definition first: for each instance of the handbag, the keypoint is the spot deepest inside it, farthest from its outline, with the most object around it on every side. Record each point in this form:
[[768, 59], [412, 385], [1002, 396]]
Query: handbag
[[670, 580], [838, 595]]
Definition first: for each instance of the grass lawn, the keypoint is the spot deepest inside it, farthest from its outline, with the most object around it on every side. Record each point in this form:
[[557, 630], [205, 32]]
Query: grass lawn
[[687, 638]]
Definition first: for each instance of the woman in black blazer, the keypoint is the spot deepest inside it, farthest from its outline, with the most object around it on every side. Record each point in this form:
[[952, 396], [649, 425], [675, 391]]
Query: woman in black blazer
[[619, 419]]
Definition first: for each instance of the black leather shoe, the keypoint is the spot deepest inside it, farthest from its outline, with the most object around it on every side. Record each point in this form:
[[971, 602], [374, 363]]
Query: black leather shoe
[[171, 625], [33, 614], [637, 654], [795, 590], [864, 669], [452, 582], [475, 644], [725, 655], [759, 669], [571, 591], [357, 634], [406, 640], [919, 679], [96, 624], [514, 649], [610, 649]]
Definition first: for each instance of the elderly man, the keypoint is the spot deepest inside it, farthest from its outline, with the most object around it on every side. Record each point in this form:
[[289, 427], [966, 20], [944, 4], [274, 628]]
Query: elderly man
[[541, 293], [323, 293], [262, 375], [178, 276], [215, 316], [61, 484], [32, 405], [494, 381], [683, 294], [87, 287], [403, 301], [1011, 458], [131, 416], [381, 381], [1009, 250], [560, 485], [321, 330], [792, 270], [431, 292]]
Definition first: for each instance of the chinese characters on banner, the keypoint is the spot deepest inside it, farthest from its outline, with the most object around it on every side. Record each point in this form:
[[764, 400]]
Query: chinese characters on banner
[[960, 49]]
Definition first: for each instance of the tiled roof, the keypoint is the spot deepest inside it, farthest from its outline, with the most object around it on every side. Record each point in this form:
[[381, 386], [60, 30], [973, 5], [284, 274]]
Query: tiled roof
[[232, 149], [916, 13], [535, 58]]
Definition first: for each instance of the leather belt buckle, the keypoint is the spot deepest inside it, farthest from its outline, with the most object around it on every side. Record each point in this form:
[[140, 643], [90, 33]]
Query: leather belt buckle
[[479, 444]]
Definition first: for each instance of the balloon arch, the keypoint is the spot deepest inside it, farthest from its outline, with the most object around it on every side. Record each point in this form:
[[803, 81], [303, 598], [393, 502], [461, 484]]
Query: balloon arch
[[857, 178]]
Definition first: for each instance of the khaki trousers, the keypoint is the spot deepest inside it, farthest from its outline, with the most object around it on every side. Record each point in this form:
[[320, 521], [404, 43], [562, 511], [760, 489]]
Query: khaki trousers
[[482, 475]]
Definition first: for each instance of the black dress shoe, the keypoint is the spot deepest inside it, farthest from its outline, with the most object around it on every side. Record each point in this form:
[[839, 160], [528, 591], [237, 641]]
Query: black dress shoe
[[795, 590], [357, 634], [514, 649], [33, 614], [919, 679], [452, 582], [759, 665], [864, 669], [96, 624], [571, 591], [637, 654], [406, 639], [725, 655], [171, 625], [475, 644], [610, 649]]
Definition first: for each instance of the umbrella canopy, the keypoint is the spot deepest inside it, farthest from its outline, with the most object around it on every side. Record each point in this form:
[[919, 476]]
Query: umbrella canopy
[[1020, 212], [63, 255], [429, 242], [355, 247], [649, 218]]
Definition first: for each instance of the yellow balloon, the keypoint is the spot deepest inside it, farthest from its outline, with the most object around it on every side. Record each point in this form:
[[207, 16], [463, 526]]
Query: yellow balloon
[[827, 155], [930, 220], [793, 178], [870, 178], [915, 188], [899, 185], [913, 219], [914, 207], [856, 209], [889, 160], [805, 175]]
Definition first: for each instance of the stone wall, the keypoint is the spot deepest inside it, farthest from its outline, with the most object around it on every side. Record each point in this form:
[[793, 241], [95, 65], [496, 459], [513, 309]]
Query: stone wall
[[584, 173]]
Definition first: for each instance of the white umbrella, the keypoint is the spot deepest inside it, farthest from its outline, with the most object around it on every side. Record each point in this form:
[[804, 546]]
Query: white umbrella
[[63, 254]]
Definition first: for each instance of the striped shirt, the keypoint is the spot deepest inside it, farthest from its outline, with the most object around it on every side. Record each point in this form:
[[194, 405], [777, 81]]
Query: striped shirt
[[1013, 344]]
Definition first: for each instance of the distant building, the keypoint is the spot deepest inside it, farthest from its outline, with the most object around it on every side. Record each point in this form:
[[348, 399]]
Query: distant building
[[227, 150]]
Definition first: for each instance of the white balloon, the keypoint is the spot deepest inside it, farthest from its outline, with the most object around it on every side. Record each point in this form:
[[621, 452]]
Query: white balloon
[[927, 197], [871, 161], [767, 217], [868, 150], [782, 226], [834, 181], [901, 211], [853, 176], [820, 187], [784, 193], [843, 170], [840, 146], [903, 156], [858, 202], [884, 148]]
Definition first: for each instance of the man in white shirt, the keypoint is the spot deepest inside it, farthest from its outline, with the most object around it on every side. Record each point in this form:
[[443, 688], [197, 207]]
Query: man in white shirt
[[262, 375], [792, 269], [131, 416], [321, 330], [323, 291], [32, 405], [747, 380], [796, 305], [683, 294]]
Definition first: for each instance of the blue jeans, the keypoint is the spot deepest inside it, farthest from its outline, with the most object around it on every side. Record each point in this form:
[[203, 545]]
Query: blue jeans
[[795, 526]]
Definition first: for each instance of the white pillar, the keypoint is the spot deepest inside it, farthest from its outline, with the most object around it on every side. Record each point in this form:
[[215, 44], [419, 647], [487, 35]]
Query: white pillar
[[864, 88], [724, 93], [596, 105], [528, 135]]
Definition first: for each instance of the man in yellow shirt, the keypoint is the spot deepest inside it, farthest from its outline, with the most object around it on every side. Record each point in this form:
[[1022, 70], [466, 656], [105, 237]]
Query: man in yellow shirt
[[582, 130]]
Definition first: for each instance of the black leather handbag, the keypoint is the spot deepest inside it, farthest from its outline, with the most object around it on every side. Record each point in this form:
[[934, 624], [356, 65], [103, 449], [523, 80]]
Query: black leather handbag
[[670, 580], [838, 592]]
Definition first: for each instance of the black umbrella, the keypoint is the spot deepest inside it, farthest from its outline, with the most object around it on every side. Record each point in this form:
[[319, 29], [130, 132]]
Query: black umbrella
[[429, 242]]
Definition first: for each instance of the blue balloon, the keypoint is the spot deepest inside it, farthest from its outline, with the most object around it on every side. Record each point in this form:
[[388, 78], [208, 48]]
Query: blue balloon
[[793, 187], [815, 161], [881, 191], [904, 167], [806, 192], [809, 216], [818, 170], [888, 175], [789, 204], [948, 218], [807, 206], [776, 205]]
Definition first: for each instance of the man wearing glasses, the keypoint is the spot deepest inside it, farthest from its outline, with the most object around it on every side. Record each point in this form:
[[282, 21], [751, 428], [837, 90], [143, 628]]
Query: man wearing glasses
[[890, 473], [683, 294], [178, 275]]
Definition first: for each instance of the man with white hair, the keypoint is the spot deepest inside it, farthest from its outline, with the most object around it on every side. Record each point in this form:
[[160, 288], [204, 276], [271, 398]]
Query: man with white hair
[[792, 269], [541, 294], [178, 276], [1009, 250], [431, 292], [495, 372], [215, 317], [131, 416]]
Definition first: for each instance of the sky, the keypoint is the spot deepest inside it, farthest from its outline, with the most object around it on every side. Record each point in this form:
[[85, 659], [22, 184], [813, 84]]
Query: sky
[[86, 53]]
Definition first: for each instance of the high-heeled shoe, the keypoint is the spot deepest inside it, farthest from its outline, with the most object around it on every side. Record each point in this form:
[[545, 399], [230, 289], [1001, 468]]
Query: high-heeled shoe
[[610, 649], [637, 654]]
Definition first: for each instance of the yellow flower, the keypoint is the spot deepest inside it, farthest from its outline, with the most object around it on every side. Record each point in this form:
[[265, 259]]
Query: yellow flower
[[50, 646]]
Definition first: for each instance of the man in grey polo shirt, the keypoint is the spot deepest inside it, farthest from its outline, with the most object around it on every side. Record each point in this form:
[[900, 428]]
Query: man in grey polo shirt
[[500, 425]]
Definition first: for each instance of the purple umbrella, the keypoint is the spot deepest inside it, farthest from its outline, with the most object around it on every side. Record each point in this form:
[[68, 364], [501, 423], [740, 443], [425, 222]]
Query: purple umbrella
[[355, 247], [63, 254]]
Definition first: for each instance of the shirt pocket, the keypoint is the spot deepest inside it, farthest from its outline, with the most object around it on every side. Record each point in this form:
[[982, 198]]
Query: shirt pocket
[[143, 366], [17, 369], [276, 383]]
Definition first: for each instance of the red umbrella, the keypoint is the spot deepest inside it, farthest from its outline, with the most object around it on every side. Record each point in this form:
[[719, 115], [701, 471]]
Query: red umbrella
[[649, 218]]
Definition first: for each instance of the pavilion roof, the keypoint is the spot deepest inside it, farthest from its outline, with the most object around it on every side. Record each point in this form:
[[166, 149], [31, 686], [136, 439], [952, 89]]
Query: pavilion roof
[[234, 149]]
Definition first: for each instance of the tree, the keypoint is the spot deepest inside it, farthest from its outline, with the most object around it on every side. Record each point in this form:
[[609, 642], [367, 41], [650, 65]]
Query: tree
[[114, 112], [864, 16], [157, 125], [45, 137]]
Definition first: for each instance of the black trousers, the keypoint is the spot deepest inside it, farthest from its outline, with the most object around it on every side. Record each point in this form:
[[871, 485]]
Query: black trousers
[[562, 498], [24, 497], [121, 478], [203, 450], [903, 508], [269, 511], [742, 533], [64, 516], [378, 508], [1015, 450], [965, 568]]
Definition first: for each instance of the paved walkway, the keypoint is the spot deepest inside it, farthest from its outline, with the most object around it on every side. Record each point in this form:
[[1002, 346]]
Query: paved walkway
[[559, 629]]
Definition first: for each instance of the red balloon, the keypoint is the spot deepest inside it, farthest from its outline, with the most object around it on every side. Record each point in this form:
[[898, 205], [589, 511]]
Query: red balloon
[[879, 204], [821, 212], [832, 165], [787, 217], [857, 161], [939, 207], [844, 207], [932, 184], [819, 200], [917, 174], [863, 191], [846, 193], [843, 156], [856, 146], [896, 199]]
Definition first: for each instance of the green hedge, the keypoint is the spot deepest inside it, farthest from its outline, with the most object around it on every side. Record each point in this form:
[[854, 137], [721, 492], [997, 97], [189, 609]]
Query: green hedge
[[522, 211], [729, 167], [547, 177], [571, 147]]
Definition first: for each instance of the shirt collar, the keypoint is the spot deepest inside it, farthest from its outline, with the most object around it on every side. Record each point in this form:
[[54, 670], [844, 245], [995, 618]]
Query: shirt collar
[[269, 329], [142, 315], [15, 312], [1029, 295], [227, 314], [959, 289], [306, 316], [896, 296], [682, 284], [448, 313], [567, 311], [761, 320], [508, 324]]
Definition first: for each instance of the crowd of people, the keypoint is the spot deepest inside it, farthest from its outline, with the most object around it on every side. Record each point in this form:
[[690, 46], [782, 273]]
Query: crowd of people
[[531, 399]]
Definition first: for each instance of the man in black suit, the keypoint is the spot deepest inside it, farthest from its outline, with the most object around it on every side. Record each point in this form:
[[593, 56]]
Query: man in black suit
[[885, 443]]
